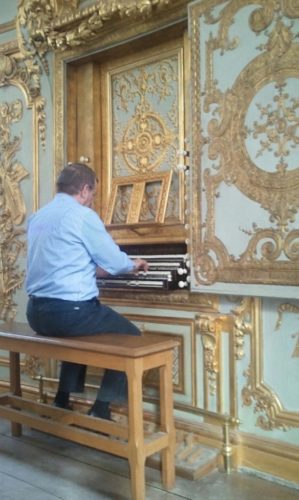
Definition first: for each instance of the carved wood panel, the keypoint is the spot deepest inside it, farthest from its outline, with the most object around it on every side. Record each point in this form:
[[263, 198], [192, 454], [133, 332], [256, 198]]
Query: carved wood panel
[[245, 146]]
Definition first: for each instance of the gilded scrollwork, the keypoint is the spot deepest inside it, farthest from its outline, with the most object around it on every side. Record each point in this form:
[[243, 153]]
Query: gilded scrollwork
[[207, 329], [266, 403], [251, 143], [288, 308], [12, 208], [242, 325], [271, 412], [283, 308], [25, 74], [146, 135], [36, 16], [58, 25]]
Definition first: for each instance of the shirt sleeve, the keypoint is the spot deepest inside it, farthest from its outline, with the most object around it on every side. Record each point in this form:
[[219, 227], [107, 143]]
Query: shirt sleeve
[[101, 247]]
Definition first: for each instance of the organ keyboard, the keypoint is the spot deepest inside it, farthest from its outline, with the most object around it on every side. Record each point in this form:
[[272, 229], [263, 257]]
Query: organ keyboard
[[166, 272]]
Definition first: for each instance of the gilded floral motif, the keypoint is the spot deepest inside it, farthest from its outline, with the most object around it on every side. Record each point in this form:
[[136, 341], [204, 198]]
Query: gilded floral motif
[[251, 142], [12, 208]]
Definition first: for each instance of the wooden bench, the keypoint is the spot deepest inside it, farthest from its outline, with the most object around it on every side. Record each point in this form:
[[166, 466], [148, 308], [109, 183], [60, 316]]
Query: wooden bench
[[133, 355]]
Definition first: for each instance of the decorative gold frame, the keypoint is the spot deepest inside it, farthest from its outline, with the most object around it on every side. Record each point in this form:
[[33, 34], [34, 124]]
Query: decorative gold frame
[[138, 189], [272, 414], [16, 71], [271, 256], [151, 324]]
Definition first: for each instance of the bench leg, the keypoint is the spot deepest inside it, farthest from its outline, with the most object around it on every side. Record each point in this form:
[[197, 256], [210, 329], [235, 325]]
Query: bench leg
[[15, 386], [167, 422], [136, 435]]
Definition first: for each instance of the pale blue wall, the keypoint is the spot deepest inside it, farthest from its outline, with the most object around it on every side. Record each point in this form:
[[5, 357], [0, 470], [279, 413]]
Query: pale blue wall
[[281, 370]]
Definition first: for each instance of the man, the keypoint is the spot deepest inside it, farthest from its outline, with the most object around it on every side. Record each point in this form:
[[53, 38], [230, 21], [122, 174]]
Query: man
[[68, 246]]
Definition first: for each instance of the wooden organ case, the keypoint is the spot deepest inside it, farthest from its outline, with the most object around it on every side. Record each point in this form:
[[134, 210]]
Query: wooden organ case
[[127, 111], [126, 116]]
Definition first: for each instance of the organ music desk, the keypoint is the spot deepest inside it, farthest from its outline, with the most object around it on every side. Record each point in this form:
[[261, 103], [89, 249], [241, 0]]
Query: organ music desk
[[130, 354]]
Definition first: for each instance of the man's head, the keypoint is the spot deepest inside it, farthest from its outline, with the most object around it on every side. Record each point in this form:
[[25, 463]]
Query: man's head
[[77, 180]]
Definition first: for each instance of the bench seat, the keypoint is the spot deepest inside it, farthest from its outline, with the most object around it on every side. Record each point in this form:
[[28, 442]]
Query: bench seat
[[133, 355]]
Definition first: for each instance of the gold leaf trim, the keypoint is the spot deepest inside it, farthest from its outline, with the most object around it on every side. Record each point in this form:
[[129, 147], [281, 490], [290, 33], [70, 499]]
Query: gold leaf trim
[[12, 209], [49, 28], [266, 402]]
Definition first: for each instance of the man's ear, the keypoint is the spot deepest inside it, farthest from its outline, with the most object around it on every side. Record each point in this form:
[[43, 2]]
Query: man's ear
[[84, 191]]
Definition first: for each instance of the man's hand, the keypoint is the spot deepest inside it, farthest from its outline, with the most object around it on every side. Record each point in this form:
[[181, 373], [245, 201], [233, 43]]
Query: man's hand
[[140, 265]]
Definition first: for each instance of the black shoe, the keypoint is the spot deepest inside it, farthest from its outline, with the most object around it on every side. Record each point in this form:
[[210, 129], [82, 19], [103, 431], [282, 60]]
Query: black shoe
[[64, 406]]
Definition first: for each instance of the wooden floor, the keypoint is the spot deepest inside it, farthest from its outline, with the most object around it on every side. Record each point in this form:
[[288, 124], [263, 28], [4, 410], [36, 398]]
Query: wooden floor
[[42, 467]]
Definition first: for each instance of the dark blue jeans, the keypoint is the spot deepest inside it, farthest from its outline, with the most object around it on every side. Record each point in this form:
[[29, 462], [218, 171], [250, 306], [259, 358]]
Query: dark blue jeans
[[64, 318]]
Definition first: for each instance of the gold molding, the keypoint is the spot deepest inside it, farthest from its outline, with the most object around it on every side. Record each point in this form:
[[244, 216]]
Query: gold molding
[[271, 254], [51, 28], [166, 320], [12, 208], [269, 456], [283, 308], [211, 329], [267, 404], [138, 185], [206, 327], [112, 35], [9, 26], [242, 325], [9, 48], [291, 308], [183, 300], [25, 75]]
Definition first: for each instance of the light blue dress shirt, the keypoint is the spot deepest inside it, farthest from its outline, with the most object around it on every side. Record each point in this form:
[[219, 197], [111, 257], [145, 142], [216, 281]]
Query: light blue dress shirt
[[66, 243]]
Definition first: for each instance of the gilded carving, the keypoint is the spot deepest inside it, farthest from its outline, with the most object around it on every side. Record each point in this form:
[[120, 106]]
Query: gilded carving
[[64, 8], [59, 25], [182, 299], [291, 308], [9, 48], [151, 377], [12, 208], [36, 16], [137, 199], [242, 325], [266, 403], [8, 69], [283, 308], [32, 366], [207, 328], [147, 132], [272, 414], [25, 74], [238, 144], [9, 26]]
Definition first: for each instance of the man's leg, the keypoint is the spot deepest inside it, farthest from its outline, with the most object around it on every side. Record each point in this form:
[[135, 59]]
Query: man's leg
[[114, 382], [65, 318]]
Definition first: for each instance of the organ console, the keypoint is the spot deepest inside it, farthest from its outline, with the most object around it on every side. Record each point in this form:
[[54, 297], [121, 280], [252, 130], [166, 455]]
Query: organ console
[[167, 271]]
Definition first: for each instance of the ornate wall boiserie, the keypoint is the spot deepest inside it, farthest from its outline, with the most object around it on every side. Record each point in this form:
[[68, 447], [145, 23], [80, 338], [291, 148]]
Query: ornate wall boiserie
[[60, 26], [245, 145], [19, 73], [12, 208], [145, 131], [268, 395], [237, 360]]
